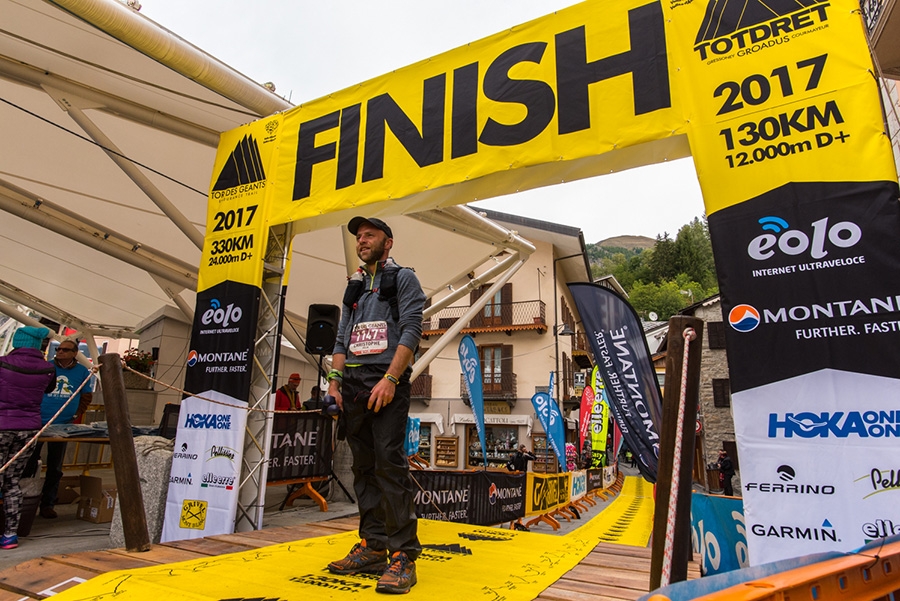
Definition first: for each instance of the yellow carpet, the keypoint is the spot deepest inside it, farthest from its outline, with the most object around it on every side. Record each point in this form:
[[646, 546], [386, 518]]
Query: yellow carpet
[[458, 562]]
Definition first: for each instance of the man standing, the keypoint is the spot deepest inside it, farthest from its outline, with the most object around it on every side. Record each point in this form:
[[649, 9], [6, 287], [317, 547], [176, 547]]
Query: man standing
[[314, 402], [521, 458], [69, 376], [726, 473], [380, 328], [286, 398]]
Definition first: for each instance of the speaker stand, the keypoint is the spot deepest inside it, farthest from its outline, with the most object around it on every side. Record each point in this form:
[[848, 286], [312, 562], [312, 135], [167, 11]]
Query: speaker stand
[[333, 477]]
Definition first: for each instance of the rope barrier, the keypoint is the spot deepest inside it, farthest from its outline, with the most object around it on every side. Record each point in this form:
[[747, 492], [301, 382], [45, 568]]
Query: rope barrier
[[689, 334], [33, 439], [224, 404]]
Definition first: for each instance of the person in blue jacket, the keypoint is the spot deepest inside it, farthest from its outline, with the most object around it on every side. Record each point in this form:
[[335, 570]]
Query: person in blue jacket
[[69, 376]]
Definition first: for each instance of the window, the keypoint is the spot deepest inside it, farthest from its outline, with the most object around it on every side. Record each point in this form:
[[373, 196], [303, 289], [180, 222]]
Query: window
[[501, 443], [715, 331], [497, 311], [721, 392], [492, 368]]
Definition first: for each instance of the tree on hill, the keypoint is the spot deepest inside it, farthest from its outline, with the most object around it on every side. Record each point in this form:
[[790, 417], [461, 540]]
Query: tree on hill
[[667, 277]]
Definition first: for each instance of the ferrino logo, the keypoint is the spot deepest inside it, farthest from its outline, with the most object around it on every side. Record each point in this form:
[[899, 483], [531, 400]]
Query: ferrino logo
[[745, 318], [208, 421], [242, 172], [840, 424], [221, 316], [748, 26], [787, 485], [792, 242]]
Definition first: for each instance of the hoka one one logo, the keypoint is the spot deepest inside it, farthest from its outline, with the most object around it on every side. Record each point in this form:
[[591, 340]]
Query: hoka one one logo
[[839, 424]]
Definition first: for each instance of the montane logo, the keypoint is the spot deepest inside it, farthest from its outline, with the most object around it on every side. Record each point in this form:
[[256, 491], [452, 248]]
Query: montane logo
[[840, 424], [242, 168], [747, 26]]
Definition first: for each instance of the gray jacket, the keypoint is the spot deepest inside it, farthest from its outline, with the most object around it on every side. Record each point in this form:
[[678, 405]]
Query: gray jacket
[[369, 308]]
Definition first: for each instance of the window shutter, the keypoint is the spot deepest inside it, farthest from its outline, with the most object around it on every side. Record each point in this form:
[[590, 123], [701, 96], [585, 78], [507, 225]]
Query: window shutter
[[721, 392], [715, 331]]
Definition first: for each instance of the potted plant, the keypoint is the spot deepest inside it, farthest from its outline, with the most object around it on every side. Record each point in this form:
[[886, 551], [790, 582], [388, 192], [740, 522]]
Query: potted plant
[[141, 362]]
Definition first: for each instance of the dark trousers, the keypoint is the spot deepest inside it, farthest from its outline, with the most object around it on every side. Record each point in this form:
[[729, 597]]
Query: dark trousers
[[11, 442], [728, 489], [384, 490], [56, 452]]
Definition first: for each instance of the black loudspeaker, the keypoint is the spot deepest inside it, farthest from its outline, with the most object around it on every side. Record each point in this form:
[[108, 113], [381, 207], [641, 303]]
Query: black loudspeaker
[[321, 328]]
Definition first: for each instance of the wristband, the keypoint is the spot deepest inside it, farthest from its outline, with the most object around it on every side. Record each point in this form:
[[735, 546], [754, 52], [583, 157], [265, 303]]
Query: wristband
[[391, 379], [335, 374]]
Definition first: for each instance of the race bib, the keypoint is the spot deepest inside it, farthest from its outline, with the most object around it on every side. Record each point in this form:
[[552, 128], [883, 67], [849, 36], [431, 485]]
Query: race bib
[[369, 338]]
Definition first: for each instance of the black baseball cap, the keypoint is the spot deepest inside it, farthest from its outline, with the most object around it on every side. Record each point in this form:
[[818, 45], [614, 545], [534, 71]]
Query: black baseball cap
[[354, 224]]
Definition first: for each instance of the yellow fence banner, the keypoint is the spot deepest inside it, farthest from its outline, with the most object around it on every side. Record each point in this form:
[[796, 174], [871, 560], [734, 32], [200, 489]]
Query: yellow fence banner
[[546, 492]]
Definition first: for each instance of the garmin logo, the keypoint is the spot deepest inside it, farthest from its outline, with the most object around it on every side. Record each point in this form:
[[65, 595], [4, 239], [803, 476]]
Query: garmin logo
[[824, 533], [183, 480]]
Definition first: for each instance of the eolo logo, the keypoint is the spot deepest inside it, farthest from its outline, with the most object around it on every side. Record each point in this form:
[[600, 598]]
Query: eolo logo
[[796, 242]]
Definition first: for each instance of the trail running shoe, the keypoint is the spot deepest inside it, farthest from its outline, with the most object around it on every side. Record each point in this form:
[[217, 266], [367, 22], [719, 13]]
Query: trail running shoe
[[9, 542], [360, 559], [400, 575]]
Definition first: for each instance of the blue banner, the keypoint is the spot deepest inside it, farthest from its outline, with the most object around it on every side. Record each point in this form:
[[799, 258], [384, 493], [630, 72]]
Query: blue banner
[[471, 369], [719, 534], [552, 422], [620, 350]]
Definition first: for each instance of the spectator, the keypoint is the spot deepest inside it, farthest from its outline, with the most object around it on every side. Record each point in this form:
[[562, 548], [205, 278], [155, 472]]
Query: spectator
[[24, 378], [520, 459], [286, 398], [69, 376], [726, 473]]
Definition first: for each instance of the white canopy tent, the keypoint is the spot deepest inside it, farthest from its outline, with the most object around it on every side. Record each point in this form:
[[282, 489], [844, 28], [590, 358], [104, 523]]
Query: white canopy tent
[[110, 126]]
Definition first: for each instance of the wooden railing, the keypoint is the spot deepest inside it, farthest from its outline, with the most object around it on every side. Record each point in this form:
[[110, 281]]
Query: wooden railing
[[521, 315]]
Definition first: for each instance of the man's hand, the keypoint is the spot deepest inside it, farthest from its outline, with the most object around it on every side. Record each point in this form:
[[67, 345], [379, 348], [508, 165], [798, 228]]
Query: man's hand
[[382, 394], [334, 390]]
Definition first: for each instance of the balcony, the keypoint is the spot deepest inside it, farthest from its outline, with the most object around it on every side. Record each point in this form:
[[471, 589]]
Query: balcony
[[420, 389], [498, 387], [581, 351], [505, 317], [882, 19]]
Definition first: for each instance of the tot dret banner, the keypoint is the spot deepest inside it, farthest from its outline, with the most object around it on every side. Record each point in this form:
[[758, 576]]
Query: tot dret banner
[[778, 105]]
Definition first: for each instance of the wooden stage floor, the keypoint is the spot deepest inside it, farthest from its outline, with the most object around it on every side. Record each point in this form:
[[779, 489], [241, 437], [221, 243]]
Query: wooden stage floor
[[610, 572]]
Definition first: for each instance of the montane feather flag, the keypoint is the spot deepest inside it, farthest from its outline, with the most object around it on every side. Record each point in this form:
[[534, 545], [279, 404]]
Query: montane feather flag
[[471, 369], [620, 349]]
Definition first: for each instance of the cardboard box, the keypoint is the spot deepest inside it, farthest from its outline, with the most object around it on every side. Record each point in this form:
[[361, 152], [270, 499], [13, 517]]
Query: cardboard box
[[96, 503]]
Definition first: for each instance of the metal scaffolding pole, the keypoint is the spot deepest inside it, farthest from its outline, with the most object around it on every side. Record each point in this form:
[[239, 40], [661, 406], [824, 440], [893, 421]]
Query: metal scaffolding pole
[[252, 493]]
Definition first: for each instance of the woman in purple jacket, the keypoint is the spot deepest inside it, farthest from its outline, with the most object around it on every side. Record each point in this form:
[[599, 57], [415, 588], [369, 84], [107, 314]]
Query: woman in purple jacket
[[24, 378]]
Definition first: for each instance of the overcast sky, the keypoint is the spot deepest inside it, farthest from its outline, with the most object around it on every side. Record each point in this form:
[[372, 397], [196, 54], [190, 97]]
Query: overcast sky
[[311, 48]]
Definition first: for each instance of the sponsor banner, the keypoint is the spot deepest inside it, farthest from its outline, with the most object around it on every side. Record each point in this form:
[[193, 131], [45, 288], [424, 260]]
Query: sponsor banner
[[546, 492], [801, 191], [481, 498], [617, 341], [595, 479], [559, 97], [300, 447], [472, 376], [413, 430], [609, 475], [236, 218], [718, 533], [221, 353], [203, 482], [585, 416], [797, 504], [599, 426], [579, 485], [551, 420]]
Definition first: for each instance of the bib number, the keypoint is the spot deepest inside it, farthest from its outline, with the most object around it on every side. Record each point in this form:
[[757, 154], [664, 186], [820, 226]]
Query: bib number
[[369, 338]]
